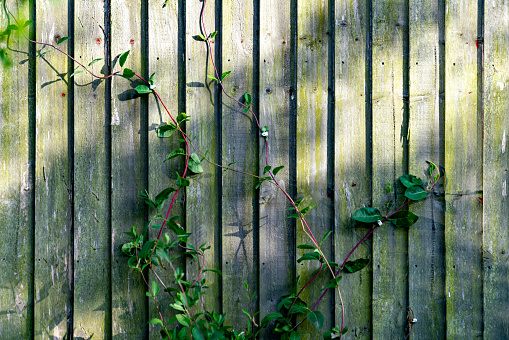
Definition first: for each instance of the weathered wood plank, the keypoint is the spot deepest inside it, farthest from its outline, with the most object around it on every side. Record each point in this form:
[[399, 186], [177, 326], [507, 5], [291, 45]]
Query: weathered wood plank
[[91, 177], [463, 170], [163, 60], [201, 195], [496, 165], [128, 170], [312, 93], [276, 237], [390, 282], [53, 182], [15, 233], [426, 237], [352, 184], [238, 145]]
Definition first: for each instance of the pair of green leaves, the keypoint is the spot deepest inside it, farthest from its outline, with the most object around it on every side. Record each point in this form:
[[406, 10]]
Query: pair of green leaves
[[415, 188], [400, 219], [222, 76], [268, 178], [201, 37], [19, 28]]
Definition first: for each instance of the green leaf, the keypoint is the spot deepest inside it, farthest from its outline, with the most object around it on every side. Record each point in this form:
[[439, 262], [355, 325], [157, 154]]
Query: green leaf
[[294, 335], [27, 23], [13, 27], [177, 306], [367, 215], [155, 288], [183, 320], [76, 72], [225, 74], [309, 257], [43, 53], [266, 168], [162, 196], [217, 271], [247, 98], [416, 193], [325, 236], [166, 131], [142, 89], [317, 319], [306, 246], [212, 77], [182, 117], [265, 128], [403, 219], [151, 79], [355, 266], [212, 35], [156, 321], [306, 209], [61, 40], [293, 216], [123, 58], [194, 164], [277, 169], [182, 182], [128, 73], [95, 61], [175, 153], [197, 334], [269, 317], [410, 180]]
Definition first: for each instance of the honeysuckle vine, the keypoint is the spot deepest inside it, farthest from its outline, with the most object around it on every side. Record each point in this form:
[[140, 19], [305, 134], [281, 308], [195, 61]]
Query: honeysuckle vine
[[144, 253]]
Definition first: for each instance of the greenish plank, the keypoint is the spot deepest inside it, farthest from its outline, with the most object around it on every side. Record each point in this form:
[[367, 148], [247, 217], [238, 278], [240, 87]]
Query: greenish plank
[[276, 237], [238, 145], [91, 178], [496, 165], [128, 171], [426, 237], [201, 195], [52, 179], [312, 72], [390, 281], [463, 170], [352, 184], [163, 60], [15, 233]]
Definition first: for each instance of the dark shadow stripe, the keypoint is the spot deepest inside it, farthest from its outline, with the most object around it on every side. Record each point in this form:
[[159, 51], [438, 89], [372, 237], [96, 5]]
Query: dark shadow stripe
[[406, 88], [71, 157], [32, 74], [480, 121], [218, 111]]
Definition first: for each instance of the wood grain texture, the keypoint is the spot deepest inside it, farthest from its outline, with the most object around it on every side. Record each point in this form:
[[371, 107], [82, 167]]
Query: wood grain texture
[[91, 178], [163, 60], [15, 233], [496, 165], [426, 237], [390, 258], [463, 171], [276, 237], [201, 195], [312, 73], [352, 184], [53, 183], [128, 171], [238, 145]]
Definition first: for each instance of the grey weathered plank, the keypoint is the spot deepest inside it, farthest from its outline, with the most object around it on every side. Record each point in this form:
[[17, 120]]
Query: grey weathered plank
[[163, 60], [463, 169], [128, 170], [276, 237], [238, 145], [496, 165], [201, 195], [352, 184], [426, 237], [53, 182], [312, 93], [91, 178], [15, 233], [390, 281]]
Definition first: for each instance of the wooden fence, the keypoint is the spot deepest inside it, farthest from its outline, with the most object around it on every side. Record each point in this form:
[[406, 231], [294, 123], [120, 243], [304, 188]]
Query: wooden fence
[[355, 94]]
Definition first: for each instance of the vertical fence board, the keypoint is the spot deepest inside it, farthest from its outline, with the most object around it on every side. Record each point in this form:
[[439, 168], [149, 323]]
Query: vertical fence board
[[496, 165], [52, 215], [312, 72], [91, 176], [352, 185], [276, 239], [128, 170], [239, 145], [15, 252], [163, 60], [390, 260], [426, 237], [201, 195], [463, 171]]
